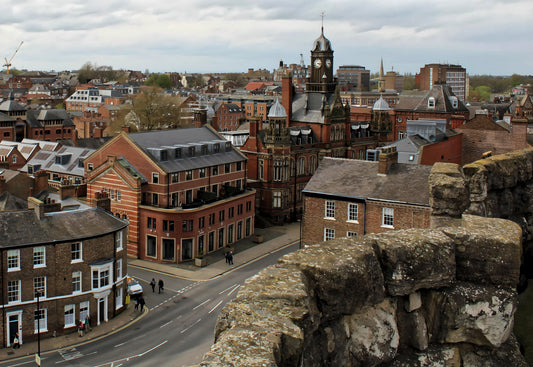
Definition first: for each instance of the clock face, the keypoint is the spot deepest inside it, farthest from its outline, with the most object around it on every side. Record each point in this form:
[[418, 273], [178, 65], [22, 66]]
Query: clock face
[[328, 63], [318, 63]]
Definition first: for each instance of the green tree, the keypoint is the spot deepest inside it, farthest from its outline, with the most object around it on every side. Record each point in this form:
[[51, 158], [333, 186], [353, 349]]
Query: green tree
[[91, 71], [408, 81], [159, 80], [239, 79], [195, 81]]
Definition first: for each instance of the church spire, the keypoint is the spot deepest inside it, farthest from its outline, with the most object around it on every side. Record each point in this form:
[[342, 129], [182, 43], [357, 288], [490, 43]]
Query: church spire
[[381, 81]]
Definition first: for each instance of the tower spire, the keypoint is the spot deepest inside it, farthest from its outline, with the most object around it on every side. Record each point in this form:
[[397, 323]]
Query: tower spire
[[322, 16], [381, 81]]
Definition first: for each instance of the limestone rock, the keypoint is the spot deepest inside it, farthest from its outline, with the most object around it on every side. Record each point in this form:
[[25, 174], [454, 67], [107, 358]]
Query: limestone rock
[[413, 329], [448, 191], [480, 315], [341, 275], [435, 356], [507, 355], [488, 250], [415, 258]]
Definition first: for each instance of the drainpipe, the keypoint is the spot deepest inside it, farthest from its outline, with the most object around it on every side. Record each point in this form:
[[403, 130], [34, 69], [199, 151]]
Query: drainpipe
[[294, 193], [2, 296], [364, 218]]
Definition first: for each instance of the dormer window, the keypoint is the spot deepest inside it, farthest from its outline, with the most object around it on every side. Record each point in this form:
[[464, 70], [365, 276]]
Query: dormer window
[[431, 102], [164, 155], [228, 146], [80, 162], [191, 151], [454, 102], [177, 153], [204, 149]]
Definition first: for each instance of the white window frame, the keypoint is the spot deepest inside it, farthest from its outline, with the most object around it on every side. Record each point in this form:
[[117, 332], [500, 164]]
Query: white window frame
[[118, 298], [76, 280], [119, 268], [40, 256], [329, 234], [18, 290], [37, 285], [276, 199], [43, 324], [102, 276], [13, 260], [387, 217], [329, 209], [353, 213], [119, 241], [84, 310], [80, 251], [70, 316]]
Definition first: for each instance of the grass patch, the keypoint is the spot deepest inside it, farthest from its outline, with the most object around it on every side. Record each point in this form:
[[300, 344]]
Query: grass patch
[[523, 322]]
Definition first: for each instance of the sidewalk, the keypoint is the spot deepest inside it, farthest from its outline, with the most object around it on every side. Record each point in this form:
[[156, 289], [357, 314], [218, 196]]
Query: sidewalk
[[245, 251]]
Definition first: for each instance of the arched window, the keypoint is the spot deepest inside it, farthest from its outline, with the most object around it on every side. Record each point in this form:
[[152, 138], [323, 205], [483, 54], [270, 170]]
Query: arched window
[[301, 166], [312, 164]]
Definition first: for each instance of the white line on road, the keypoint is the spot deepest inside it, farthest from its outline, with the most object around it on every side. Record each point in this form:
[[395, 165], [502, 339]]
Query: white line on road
[[119, 345], [23, 363], [114, 363], [234, 289], [166, 323], [227, 289], [184, 330], [203, 303], [213, 309]]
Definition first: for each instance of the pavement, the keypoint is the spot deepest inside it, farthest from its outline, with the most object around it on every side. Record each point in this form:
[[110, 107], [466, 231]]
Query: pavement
[[245, 251]]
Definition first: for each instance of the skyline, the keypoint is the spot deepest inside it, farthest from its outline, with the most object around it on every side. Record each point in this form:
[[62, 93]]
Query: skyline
[[485, 37]]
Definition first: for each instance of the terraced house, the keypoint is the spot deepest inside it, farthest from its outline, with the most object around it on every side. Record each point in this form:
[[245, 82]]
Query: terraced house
[[183, 191]]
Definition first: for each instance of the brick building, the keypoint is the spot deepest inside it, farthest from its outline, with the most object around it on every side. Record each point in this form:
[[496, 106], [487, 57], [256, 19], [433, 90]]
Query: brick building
[[353, 78], [227, 117], [183, 191], [74, 261], [348, 197], [452, 75], [252, 105], [92, 97], [301, 130]]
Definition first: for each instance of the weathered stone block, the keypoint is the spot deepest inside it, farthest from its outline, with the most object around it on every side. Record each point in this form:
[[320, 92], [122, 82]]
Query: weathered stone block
[[413, 302], [435, 355], [489, 250], [414, 258], [448, 192], [413, 329]]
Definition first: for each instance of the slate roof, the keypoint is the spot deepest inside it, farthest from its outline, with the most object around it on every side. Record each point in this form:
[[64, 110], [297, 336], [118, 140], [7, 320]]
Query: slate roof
[[23, 228], [6, 118], [443, 95], [8, 201], [11, 105], [358, 179], [26, 149], [69, 157], [307, 107], [91, 143], [153, 142], [34, 117], [43, 144]]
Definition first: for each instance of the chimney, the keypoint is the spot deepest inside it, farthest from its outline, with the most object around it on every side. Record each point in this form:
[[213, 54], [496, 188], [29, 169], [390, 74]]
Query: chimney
[[2, 184], [98, 132], [456, 121], [36, 205], [199, 117], [254, 125], [387, 157], [101, 200], [287, 92], [41, 181], [126, 129], [75, 137]]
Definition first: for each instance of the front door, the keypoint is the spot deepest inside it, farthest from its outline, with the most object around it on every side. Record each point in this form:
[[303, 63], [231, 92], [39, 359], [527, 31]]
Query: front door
[[14, 322], [186, 249], [102, 310]]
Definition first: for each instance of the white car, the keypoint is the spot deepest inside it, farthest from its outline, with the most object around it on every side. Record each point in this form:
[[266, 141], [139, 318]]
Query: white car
[[134, 288]]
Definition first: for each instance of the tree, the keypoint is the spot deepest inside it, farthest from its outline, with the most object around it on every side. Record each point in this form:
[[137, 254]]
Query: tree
[[91, 71], [159, 80], [195, 80], [408, 81], [150, 110]]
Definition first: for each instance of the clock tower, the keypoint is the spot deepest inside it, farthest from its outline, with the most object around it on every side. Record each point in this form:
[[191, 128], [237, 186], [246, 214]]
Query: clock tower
[[320, 77]]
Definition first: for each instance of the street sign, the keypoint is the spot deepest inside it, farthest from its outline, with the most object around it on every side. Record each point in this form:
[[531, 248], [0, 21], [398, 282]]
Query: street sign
[[38, 360]]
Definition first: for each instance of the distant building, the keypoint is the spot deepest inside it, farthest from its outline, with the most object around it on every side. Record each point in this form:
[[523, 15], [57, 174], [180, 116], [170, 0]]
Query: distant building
[[227, 117], [393, 81], [353, 78], [92, 97], [452, 75], [350, 197]]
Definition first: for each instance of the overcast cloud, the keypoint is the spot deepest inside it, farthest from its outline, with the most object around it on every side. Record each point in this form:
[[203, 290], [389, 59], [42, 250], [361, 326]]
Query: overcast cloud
[[484, 36]]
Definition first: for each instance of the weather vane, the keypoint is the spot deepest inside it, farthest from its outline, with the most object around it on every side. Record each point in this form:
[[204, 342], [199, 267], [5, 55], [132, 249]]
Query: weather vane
[[322, 16]]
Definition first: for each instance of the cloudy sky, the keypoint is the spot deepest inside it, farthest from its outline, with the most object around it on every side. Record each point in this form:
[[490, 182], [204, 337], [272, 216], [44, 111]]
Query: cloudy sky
[[484, 36]]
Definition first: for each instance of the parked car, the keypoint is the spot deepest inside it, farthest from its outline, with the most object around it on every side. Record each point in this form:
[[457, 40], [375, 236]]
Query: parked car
[[134, 287]]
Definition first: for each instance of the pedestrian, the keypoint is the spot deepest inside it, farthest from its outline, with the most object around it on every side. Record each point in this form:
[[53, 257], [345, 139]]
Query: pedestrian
[[136, 303], [161, 284], [16, 341], [152, 284], [142, 303], [227, 250], [80, 328], [87, 323], [230, 257]]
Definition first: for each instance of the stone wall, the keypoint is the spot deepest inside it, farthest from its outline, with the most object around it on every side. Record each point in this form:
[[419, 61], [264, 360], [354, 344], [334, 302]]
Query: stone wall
[[412, 297], [420, 297]]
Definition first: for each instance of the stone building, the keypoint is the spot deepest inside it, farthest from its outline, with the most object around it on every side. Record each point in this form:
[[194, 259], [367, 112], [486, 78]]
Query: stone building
[[73, 262], [349, 197], [183, 191]]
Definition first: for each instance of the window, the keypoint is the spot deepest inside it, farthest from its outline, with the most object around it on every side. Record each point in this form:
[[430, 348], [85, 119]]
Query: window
[[101, 276], [227, 168], [69, 316], [201, 222], [14, 159], [330, 209], [155, 199], [168, 226], [155, 178], [188, 196], [202, 172], [118, 240], [40, 320], [13, 291], [211, 219], [39, 257], [231, 212], [118, 298], [230, 233], [214, 171], [431, 102], [119, 268], [329, 234], [248, 206], [151, 246], [239, 166], [174, 199], [118, 195], [239, 230], [39, 287], [112, 194], [276, 199], [151, 223], [353, 212], [13, 260], [301, 166], [351, 234], [260, 169], [388, 217], [411, 157], [239, 209], [75, 250], [188, 175], [76, 281], [221, 215], [248, 227], [175, 177], [84, 310], [90, 166], [187, 225]]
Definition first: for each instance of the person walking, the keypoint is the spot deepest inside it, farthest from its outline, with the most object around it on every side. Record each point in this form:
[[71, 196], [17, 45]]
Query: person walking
[[136, 303], [152, 284], [80, 328], [142, 303], [161, 285], [230, 257], [87, 323], [16, 341]]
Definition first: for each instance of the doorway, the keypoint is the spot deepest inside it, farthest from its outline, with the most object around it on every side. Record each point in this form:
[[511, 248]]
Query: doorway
[[14, 326]]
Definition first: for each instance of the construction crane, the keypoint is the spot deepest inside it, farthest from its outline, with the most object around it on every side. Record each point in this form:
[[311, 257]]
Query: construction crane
[[8, 62]]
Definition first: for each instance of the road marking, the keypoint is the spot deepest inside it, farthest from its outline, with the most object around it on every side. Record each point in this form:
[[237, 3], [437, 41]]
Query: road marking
[[23, 363], [73, 355], [165, 324], [119, 345], [184, 330], [178, 293], [227, 289], [213, 309], [203, 303], [114, 363], [234, 289]]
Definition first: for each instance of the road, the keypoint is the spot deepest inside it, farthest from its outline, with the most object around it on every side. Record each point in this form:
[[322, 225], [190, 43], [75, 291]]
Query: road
[[176, 332]]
